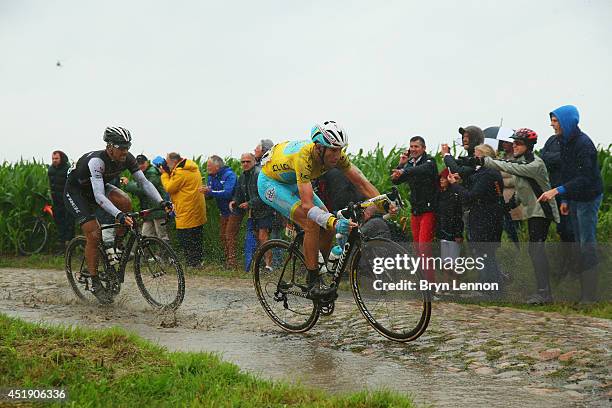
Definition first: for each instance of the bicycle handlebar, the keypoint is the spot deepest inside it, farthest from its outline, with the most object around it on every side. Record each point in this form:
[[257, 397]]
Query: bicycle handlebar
[[354, 210], [137, 214]]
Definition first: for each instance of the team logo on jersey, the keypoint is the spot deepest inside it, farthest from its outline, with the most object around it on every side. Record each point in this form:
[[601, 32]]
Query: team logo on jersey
[[280, 167], [270, 194]]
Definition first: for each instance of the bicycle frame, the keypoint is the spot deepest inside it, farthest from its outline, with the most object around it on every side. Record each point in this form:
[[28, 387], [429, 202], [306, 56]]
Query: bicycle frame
[[355, 212], [120, 271], [354, 238], [135, 237]]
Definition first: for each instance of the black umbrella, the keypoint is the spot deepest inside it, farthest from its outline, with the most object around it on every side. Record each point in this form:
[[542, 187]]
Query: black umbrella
[[494, 134]]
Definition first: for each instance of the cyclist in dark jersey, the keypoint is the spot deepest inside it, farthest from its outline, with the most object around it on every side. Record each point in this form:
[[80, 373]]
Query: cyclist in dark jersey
[[88, 186]]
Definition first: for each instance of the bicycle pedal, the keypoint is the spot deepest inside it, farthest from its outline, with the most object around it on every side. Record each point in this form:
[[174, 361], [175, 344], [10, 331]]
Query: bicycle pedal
[[326, 309]]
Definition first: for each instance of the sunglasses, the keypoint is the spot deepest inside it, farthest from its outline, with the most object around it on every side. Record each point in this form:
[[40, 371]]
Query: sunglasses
[[246, 161], [518, 143], [122, 147]]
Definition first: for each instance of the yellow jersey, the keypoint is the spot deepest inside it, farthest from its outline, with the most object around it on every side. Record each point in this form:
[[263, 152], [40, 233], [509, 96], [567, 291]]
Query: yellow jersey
[[294, 162]]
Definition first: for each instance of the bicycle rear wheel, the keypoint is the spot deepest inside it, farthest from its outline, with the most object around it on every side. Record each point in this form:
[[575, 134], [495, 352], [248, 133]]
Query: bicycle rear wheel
[[279, 276], [77, 273], [159, 274], [34, 235], [392, 305]]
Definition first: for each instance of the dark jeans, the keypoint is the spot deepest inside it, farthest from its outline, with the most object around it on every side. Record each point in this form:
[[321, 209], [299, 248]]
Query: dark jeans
[[511, 226], [191, 242], [538, 230], [63, 220], [583, 215]]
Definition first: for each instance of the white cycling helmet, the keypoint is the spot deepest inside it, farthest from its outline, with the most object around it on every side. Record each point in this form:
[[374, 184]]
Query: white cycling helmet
[[329, 134]]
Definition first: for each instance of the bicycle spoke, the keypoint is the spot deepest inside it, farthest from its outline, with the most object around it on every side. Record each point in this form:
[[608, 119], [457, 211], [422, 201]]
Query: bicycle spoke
[[280, 286], [158, 274], [398, 314]]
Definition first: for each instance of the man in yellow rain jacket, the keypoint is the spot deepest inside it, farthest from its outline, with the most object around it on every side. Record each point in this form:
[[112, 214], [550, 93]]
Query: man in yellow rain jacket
[[181, 178]]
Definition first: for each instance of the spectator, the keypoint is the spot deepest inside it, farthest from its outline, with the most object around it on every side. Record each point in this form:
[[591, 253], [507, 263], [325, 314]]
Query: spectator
[[181, 178], [419, 170], [220, 186], [551, 154], [64, 221], [484, 198], [246, 198], [449, 218], [262, 148], [374, 226], [531, 179], [472, 136], [581, 191], [504, 149], [514, 216], [153, 223], [278, 223]]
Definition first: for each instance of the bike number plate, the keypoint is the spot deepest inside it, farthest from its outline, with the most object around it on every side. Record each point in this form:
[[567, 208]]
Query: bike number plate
[[290, 231]]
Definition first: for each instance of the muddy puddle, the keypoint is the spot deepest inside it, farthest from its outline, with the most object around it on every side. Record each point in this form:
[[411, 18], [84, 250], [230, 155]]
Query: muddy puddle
[[339, 355]]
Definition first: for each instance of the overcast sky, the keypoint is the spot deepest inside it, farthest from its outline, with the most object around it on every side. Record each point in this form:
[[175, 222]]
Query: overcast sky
[[204, 77]]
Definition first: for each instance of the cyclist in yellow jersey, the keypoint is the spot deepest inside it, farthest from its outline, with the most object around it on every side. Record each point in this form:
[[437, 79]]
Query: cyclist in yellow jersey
[[285, 184]]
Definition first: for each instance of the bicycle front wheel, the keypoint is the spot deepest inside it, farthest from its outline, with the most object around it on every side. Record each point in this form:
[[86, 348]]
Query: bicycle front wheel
[[159, 274], [279, 276], [389, 298], [34, 237]]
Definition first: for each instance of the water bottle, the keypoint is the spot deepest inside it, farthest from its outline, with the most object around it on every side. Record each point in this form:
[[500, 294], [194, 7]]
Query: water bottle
[[113, 255], [334, 255]]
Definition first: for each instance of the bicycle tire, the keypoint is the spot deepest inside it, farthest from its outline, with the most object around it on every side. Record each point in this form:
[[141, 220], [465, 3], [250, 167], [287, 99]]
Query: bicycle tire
[[159, 263], [75, 256], [416, 320], [266, 284], [35, 237]]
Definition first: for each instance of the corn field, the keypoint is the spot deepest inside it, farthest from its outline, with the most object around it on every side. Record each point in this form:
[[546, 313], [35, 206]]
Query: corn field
[[24, 189]]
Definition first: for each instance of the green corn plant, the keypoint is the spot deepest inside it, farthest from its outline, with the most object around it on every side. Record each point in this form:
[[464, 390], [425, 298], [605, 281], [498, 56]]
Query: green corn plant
[[24, 184], [23, 192]]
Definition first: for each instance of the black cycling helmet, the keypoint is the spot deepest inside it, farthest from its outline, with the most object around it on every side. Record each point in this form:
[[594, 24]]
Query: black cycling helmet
[[118, 136]]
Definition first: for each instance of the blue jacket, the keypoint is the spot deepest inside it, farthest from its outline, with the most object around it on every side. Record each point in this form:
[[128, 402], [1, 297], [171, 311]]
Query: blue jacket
[[580, 175], [222, 187]]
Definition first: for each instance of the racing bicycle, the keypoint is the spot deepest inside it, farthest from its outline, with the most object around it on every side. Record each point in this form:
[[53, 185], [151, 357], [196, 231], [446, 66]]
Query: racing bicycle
[[35, 231], [399, 315], [157, 270]]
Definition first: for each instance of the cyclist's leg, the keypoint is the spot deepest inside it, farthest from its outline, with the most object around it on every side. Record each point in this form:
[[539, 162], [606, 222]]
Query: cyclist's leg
[[83, 210], [285, 199], [91, 229]]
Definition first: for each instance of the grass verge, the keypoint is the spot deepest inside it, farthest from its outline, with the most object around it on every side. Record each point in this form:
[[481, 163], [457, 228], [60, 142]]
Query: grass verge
[[114, 368]]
